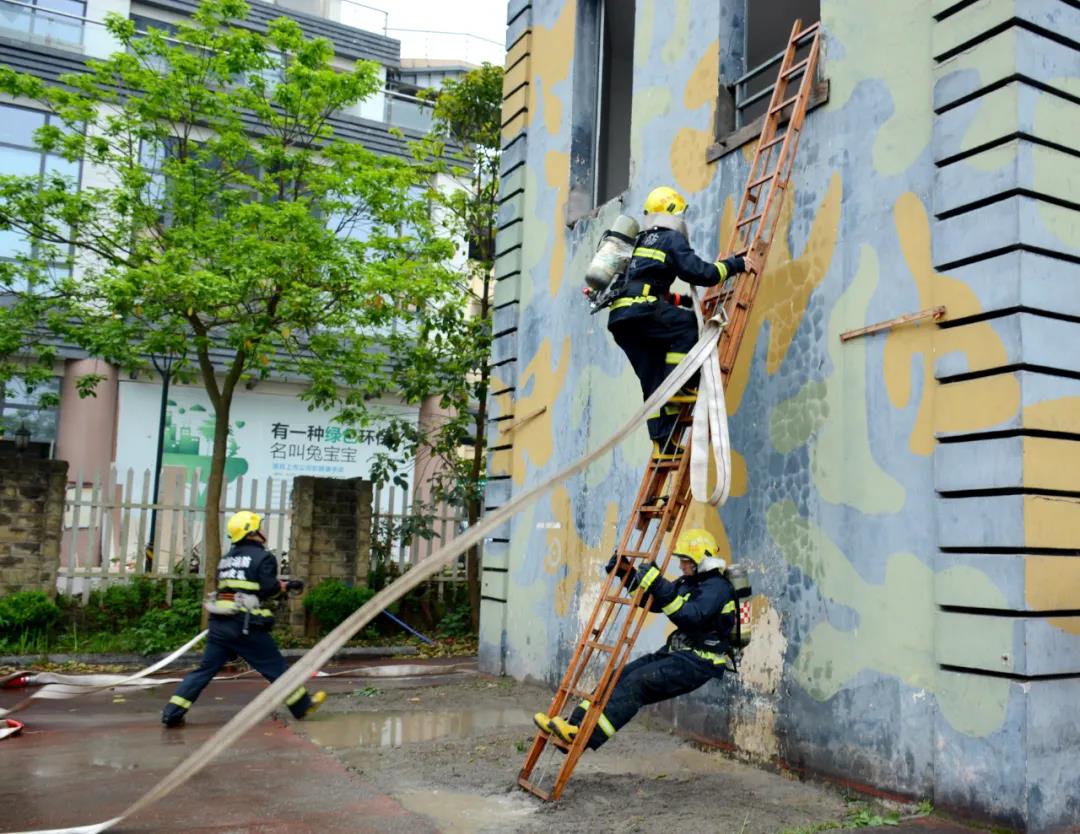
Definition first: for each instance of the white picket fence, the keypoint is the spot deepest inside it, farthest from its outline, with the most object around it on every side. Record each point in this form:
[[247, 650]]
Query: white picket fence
[[393, 505], [107, 521]]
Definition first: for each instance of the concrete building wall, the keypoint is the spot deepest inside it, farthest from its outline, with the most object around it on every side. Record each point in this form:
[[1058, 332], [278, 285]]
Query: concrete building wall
[[907, 502]]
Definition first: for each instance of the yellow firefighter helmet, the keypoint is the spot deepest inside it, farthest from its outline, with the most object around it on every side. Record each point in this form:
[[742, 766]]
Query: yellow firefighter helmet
[[665, 200], [243, 523]]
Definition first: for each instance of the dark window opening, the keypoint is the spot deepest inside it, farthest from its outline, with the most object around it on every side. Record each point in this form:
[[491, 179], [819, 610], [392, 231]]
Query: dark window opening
[[602, 95], [742, 101]]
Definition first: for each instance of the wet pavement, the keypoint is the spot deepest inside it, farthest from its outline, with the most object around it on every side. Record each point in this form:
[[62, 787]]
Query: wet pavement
[[83, 761]]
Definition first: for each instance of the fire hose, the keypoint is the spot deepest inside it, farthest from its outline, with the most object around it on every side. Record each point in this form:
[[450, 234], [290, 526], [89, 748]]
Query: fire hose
[[298, 674]]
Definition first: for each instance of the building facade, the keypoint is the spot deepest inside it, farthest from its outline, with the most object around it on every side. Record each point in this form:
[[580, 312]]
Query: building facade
[[907, 502], [273, 435]]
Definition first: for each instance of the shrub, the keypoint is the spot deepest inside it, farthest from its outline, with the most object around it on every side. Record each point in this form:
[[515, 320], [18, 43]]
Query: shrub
[[165, 629], [332, 601], [27, 611], [456, 622]]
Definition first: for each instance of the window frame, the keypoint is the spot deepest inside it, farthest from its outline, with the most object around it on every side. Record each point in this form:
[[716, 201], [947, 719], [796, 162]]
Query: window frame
[[731, 129], [43, 158]]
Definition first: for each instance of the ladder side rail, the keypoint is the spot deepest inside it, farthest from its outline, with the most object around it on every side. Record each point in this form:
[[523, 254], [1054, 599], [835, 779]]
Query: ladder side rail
[[770, 125], [739, 300], [604, 689]]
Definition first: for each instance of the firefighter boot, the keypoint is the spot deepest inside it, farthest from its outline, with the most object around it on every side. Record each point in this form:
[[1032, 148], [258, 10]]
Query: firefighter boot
[[670, 450], [316, 702]]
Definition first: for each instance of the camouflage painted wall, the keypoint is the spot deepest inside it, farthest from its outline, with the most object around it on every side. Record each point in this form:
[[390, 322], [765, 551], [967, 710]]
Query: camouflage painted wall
[[908, 502]]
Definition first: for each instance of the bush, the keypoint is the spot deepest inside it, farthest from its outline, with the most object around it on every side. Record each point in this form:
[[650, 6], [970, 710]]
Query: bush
[[166, 629], [27, 611], [332, 601], [456, 622]]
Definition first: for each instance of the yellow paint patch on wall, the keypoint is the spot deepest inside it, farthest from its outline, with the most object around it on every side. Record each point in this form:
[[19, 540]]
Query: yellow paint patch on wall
[[786, 289], [688, 165], [972, 397], [557, 173], [1052, 464], [568, 556], [534, 440], [702, 515], [1062, 414], [881, 47], [904, 345], [676, 46], [1050, 521], [552, 50], [1052, 583]]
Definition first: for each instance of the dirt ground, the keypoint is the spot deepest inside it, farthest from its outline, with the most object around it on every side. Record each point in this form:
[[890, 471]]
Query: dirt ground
[[452, 752]]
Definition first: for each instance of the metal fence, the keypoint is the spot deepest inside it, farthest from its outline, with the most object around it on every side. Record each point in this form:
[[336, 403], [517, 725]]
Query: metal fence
[[108, 518]]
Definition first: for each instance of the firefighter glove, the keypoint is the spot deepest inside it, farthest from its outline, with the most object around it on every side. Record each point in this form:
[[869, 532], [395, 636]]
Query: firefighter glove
[[295, 585], [620, 564]]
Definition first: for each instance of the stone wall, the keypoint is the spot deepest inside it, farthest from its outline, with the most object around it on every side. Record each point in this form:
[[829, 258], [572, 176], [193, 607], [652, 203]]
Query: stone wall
[[331, 535], [31, 518]]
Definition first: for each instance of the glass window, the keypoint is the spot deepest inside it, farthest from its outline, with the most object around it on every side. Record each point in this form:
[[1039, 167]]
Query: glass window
[[18, 125], [19, 407], [20, 157]]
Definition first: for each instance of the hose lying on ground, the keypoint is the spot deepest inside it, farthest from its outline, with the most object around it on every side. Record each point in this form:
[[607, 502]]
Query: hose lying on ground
[[298, 674]]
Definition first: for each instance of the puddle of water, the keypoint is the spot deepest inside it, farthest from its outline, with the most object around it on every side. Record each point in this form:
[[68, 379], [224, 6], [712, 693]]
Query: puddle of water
[[394, 729], [461, 813]]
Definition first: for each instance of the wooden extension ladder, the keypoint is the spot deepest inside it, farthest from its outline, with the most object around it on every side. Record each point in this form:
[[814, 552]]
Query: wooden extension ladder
[[664, 495]]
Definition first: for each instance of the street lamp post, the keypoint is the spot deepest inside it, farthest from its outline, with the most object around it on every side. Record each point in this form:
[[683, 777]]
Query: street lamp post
[[164, 366]]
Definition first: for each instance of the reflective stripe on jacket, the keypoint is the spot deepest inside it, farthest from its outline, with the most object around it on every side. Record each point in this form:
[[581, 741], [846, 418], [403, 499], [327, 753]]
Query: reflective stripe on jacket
[[251, 569], [701, 606], [659, 257]]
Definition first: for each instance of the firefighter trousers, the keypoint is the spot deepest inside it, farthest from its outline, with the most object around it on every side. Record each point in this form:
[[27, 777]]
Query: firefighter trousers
[[648, 680], [226, 642], [655, 336]]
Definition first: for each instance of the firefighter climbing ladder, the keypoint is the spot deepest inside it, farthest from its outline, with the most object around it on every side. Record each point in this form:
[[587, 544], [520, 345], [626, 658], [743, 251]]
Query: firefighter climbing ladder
[[664, 495]]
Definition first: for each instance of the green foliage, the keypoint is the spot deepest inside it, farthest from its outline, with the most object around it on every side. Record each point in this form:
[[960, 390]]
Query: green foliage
[[234, 224], [456, 622], [26, 612], [124, 617], [165, 629], [332, 601]]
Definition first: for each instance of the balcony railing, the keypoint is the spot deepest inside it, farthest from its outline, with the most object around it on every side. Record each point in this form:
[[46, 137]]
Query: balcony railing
[[408, 112]]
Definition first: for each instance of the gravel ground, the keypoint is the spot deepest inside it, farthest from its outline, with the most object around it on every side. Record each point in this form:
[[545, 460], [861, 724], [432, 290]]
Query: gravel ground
[[453, 752]]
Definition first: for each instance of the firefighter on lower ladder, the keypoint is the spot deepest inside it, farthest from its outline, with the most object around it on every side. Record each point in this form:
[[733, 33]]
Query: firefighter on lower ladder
[[701, 604], [240, 622], [653, 325]]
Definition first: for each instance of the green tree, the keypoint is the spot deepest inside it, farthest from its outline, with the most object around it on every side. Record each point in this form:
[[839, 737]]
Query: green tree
[[463, 147], [232, 230]]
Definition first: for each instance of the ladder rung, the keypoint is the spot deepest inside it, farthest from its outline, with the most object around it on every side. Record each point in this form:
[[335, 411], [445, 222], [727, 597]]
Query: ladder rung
[[636, 554], [774, 141], [533, 789], [619, 600], [784, 104], [801, 65], [761, 180], [580, 693], [749, 219], [602, 647]]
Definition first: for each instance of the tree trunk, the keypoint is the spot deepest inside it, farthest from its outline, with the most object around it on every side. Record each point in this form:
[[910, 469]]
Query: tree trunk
[[212, 529]]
